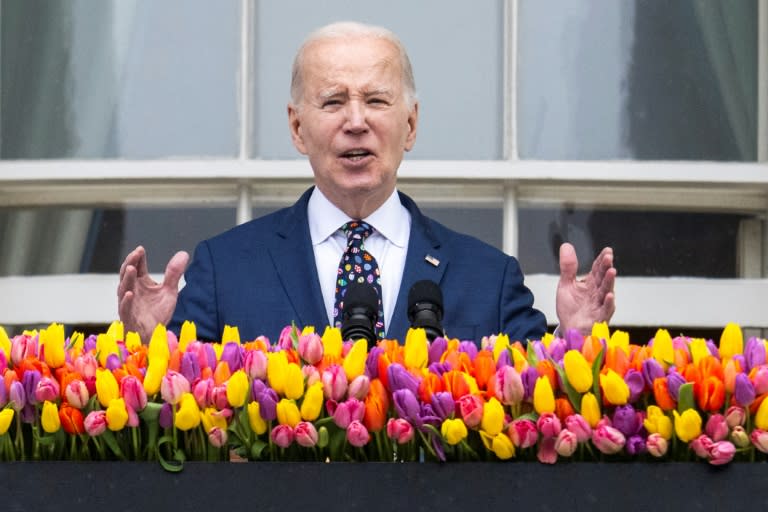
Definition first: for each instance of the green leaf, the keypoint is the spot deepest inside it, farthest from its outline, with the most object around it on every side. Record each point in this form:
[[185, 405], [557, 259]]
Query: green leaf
[[597, 364], [109, 438], [530, 355], [573, 396], [174, 466], [257, 449], [685, 397]]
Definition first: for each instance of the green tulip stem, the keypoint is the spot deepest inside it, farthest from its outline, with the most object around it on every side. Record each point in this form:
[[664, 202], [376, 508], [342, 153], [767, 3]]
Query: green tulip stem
[[19, 441]]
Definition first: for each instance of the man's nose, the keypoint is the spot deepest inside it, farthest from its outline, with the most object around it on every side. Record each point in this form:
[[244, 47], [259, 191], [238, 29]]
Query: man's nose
[[356, 120]]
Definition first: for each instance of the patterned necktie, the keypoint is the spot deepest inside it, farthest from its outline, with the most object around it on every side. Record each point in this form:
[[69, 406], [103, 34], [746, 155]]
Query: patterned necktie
[[359, 265]]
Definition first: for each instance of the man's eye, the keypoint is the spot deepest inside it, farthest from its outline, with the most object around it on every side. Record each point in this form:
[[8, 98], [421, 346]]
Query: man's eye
[[377, 101], [331, 103]]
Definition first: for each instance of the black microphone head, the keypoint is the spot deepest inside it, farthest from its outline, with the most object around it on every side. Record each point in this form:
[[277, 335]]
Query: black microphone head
[[360, 295], [425, 292], [360, 313]]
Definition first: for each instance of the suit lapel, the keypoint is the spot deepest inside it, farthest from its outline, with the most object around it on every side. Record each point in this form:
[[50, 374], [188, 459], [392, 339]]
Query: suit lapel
[[426, 259], [294, 262]]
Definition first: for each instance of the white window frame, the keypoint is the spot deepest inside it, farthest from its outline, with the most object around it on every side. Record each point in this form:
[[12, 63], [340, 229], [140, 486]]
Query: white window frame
[[242, 182]]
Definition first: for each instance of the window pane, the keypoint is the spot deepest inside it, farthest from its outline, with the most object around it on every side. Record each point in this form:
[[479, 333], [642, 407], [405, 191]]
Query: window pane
[[127, 78], [455, 49], [644, 243], [649, 79], [81, 240]]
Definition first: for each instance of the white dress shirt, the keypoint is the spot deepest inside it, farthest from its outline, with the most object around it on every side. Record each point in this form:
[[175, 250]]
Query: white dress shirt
[[388, 244]]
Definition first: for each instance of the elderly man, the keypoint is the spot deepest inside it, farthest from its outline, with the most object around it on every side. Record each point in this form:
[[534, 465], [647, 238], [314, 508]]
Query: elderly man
[[354, 113]]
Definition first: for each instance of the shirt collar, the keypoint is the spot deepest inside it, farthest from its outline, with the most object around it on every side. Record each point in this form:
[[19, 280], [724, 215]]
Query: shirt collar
[[392, 220]]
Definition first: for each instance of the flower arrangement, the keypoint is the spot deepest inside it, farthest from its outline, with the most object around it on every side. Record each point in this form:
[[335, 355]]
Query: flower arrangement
[[313, 397]]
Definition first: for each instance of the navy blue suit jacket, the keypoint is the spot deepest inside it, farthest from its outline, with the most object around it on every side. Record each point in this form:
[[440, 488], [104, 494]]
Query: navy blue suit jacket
[[261, 276]]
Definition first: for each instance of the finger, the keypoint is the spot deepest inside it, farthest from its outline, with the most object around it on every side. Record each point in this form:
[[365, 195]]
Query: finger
[[601, 265], [133, 259], [127, 282], [569, 264], [609, 307], [124, 307], [175, 269]]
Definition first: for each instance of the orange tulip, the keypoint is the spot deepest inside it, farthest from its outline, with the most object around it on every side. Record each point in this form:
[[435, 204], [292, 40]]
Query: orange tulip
[[459, 361], [591, 348], [563, 408], [710, 367], [731, 369], [456, 384], [710, 394], [174, 363], [661, 394], [617, 360], [546, 368], [681, 357], [484, 368], [428, 386], [71, 420], [376, 407], [222, 373]]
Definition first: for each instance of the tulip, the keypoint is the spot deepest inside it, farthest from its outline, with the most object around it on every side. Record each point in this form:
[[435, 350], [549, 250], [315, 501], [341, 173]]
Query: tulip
[[656, 422], [443, 404], [155, 372], [6, 416], [735, 416], [188, 414], [237, 387], [615, 390], [255, 364], [165, 416], [759, 377], [739, 437], [17, 396], [711, 394], [651, 370], [608, 439], [721, 452], [400, 430], [95, 423], [190, 366], [117, 414], [523, 433], [376, 406], [635, 445], [357, 434], [492, 421], [590, 409], [23, 346], [509, 386], [566, 443], [635, 383], [268, 404], [288, 413], [543, 396], [743, 390], [52, 345], [312, 404], [754, 353], [133, 393], [277, 371], [332, 342], [759, 438], [662, 350], [334, 383], [282, 436], [30, 380], [546, 453], [211, 417], [310, 349], [203, 392], [305, 432], [761, 418], [50, 417], [502, 446], [471, 410], [219, 396], [578, 371], [453, 431], [255, 421], [626, 420], [731, 341], [701, 446], [71, 420], [217, 437], [172, 386], [47, 390], [232, 354], [687, 425], [549, 425], [354, 361], [717, 427], [400, 378], [577, 424], [656, 445]]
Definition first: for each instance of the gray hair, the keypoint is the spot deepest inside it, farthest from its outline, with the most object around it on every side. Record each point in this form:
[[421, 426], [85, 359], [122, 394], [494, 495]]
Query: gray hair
[[345, 29]]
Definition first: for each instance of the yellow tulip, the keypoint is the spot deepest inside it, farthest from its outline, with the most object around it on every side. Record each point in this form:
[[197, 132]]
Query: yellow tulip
[[600, 331], [699, 350], [294, 381], [117, 414], [116, 330], [590, 409], [354, 361], [230, 334], [212, 417], [107, 388], [187, 335], [307, 330], [277, 371], [687, 425], [6, 416], [761, 417], [132, 341], [237, 389], [76, 344], [547, 339], [731, 341], [52, 341], [519, 360], [501, 344], [619, 339], [188, 415], [615, 390], [502, 446], [662, 350], [49, 417], [543, 396], [288, 413], [5, 343], [416, 347], [158, 344], [312, 405], [453, 431], [154, 376], [493, 417], [656, 422], [578, 371], [257, 423], [332, 343]]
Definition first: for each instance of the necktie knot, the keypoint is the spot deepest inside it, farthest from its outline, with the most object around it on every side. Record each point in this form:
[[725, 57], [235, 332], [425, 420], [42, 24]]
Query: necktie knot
[[356, 230]]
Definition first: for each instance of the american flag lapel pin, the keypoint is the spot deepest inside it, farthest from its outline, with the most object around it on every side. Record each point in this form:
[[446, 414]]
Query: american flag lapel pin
[[432, 260]]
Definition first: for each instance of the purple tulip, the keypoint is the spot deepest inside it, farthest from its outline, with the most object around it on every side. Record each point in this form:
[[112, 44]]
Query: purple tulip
[[575, 339], [470, 348], [30, 380], [674, 381], [268, 404], [439, 368], [713, 350], [428, 415], [626, 420], [400, 378], [436, 349], [372, 362], [407, 406], [636, 445], [17, 397], [442, 404], [754, 353], [89, 344], [652, 370], [636, 384], [743, 390], [257, 387], [165, 420], [505, 359], [557, 349], [113, 362], [529, 377], [3, 394], [190, 367], [210, 355], [539, 350], [232, 354]]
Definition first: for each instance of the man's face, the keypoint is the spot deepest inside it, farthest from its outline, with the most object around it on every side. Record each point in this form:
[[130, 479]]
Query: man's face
[[352, 120]]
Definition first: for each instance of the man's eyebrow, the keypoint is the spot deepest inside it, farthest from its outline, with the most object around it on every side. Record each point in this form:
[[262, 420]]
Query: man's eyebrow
[[330, 93], [379, 92]]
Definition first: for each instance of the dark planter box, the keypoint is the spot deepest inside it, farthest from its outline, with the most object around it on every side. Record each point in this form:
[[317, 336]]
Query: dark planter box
[[285, 486]]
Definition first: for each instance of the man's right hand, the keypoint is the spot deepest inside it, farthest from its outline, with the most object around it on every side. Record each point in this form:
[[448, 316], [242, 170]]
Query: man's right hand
[[141, 302]]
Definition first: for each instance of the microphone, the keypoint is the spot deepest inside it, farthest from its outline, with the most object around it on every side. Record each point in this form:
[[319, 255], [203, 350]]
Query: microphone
[[425, 308], [360, 313]]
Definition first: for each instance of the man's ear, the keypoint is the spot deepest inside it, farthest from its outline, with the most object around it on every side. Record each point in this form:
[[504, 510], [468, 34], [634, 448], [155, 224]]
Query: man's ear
[[413, 119], [294, 124]]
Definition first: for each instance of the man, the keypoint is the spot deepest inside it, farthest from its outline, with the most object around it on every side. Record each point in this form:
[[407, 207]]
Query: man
[[354, 113]]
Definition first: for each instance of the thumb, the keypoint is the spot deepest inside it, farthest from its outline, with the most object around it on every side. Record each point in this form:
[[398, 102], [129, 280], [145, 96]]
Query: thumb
[[175, 269], [569, 264]]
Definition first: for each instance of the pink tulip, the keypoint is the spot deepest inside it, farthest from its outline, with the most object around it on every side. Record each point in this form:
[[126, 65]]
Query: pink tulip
[[133, 418], [306, 434], [334, 382], [86, 366], [219, 396], [579, 426], [717, 427], [347, 412], [721, 452], [357, 434], [77, 394], [133, 393], [608, 439], [399, 430], [203, 391], [311, 375], [509, 386], [566, 443], [547, 453], [735, 415], [549, 425], [47, 389], [471, 409], [23, 346], [359, 387], [311, 348], [657, 445], [255, 364], [217, 437], [701, 446], [95, 423], [760, 380], [523, 433], [759, 438], [172, 386], [282, 436]]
